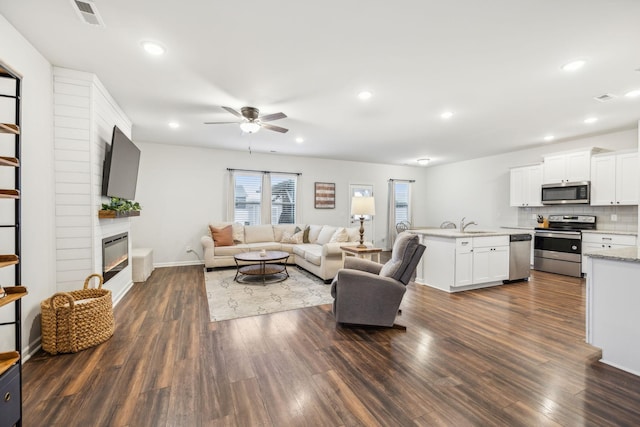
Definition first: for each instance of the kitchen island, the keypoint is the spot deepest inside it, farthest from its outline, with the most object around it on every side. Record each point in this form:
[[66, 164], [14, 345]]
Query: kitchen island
[[612, 315], [457, 260]]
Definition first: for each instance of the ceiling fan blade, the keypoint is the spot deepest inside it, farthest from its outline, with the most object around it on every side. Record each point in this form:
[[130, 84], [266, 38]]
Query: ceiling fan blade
[[272, 117], [218, 123], [234, 112], [272, 127]]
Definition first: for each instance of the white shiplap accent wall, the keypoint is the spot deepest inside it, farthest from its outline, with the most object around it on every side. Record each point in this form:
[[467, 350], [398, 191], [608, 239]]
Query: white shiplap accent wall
[[84, 116]]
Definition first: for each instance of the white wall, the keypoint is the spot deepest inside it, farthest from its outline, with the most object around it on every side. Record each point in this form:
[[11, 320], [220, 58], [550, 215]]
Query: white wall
[[38, 250], [479, 188], [181, 189]]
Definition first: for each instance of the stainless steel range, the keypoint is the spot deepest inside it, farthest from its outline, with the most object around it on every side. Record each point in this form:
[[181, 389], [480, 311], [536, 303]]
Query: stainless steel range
[[558, 248]]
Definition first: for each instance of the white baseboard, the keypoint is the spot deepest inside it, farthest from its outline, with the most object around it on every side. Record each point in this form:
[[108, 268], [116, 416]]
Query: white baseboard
[[123, 292], [177, 264]]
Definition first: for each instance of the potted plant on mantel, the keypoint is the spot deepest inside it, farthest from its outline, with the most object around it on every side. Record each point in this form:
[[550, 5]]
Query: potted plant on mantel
[[119, 208]]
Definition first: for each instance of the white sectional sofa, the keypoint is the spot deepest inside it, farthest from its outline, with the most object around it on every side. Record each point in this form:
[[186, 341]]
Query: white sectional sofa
[[321, 256]]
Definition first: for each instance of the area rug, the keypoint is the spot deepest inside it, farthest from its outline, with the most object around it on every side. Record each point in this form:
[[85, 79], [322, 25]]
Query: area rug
[[229, 299]]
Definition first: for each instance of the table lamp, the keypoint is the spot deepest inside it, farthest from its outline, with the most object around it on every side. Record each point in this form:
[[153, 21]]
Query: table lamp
[[362, 206]]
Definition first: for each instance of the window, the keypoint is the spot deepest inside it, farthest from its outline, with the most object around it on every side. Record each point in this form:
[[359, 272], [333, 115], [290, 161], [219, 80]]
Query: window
[[263, 197], [401, 190], [283, 199], [399, 206], [248, 198]]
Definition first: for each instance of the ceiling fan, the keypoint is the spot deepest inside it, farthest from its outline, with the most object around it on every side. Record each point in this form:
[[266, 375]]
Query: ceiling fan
[[252, 121]]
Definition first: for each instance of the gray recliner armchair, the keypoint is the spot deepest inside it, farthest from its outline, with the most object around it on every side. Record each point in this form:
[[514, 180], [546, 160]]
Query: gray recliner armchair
[[368, 293]]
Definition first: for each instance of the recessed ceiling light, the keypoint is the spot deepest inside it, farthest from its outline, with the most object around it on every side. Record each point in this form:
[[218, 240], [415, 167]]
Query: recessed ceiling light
[[423, 162], [365, 95], [574, 65], [633, 93], [549, 138], [174, 125], [447, 114], [591, 120], [299, 140], [153, 48]]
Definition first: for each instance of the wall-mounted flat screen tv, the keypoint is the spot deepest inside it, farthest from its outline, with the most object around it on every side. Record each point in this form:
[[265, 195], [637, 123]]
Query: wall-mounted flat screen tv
[[121, 162]]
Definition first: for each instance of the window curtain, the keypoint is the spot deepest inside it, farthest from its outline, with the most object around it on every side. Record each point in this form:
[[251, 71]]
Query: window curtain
[[231, 196], [265, 212], [391, 214]]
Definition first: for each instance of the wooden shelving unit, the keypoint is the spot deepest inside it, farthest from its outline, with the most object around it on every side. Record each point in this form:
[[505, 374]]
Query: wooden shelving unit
[[7, 260], [7, 360], [9, 194], [10, 365], [9, 128], [117, 214], [9, 161]]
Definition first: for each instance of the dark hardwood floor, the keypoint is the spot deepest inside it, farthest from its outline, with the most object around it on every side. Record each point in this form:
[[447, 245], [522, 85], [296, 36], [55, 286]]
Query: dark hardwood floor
[[512, 355]]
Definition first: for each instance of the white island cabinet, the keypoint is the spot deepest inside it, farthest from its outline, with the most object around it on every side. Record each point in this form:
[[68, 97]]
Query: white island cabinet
[[612, 315], [455, 261]]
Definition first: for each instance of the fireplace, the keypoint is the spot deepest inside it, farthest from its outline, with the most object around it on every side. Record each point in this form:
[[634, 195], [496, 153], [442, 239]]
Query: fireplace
[[115, 254]]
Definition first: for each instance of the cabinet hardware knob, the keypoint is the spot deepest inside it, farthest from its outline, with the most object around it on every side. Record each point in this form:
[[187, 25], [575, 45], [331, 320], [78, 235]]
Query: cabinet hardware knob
[[7, 397]]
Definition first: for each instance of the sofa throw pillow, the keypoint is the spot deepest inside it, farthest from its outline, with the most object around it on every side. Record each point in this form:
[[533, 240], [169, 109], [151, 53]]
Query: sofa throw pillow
[[305, 234], [222, 236], [325, 234], [238, 232], [278, 229], [295, 238], [354, 234], [340, 235], [314, 232]]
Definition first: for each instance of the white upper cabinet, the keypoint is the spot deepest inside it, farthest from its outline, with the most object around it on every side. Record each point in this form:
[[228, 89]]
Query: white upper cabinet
[[525, 186], [614, 179], [569, 167]]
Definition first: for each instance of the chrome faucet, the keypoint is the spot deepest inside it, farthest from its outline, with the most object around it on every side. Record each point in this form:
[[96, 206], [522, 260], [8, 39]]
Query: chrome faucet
[[447, 224], [463, 226]]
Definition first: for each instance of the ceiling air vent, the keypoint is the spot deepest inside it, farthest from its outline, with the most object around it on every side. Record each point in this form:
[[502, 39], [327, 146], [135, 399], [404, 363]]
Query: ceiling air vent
[[604, 98], [87, 12]]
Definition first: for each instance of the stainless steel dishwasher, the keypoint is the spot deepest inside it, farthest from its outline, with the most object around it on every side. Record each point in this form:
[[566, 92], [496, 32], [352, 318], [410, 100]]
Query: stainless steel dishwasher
[[519, 256]]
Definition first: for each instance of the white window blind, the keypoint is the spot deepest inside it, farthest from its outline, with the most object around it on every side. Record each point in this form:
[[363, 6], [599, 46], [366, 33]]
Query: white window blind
[[401, 190], [248, 198], [283, 198]]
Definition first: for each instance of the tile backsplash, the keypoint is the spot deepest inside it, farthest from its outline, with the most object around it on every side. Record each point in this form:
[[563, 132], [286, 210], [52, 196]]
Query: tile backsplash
[[627, 216]]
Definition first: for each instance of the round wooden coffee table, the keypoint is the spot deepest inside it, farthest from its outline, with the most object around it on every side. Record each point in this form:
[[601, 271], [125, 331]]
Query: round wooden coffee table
[[262, 264]]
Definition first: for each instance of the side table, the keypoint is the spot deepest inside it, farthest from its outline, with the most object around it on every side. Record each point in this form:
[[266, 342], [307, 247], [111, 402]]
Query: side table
[[366, 253]]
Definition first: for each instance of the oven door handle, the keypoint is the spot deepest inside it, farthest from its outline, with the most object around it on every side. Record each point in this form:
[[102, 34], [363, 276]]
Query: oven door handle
[[558, 235]]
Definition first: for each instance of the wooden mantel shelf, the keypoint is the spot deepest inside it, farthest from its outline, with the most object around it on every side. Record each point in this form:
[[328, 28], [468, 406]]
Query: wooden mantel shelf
[[117, 214]]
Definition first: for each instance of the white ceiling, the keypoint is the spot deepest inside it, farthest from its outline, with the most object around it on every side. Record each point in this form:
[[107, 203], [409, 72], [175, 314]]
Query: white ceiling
[[495, 63]]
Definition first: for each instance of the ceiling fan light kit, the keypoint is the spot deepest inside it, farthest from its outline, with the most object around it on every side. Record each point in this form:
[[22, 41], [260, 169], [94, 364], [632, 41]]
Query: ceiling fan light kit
[[249, 127], [252, 121]]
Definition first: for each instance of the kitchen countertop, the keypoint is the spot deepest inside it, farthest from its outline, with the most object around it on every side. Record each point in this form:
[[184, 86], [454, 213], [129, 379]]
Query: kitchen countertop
[[630, 254], [453, 233], [518, 227], [623, 233]]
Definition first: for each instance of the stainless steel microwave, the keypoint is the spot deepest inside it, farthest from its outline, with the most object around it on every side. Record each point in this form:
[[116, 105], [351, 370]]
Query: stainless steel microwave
[[566, 193]]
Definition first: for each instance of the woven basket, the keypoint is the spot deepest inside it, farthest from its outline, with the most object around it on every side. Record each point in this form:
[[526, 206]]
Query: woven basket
[[69, 327]]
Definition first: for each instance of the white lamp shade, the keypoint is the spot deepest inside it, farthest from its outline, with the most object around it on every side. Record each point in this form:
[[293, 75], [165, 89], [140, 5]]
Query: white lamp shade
[[363, 206]]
